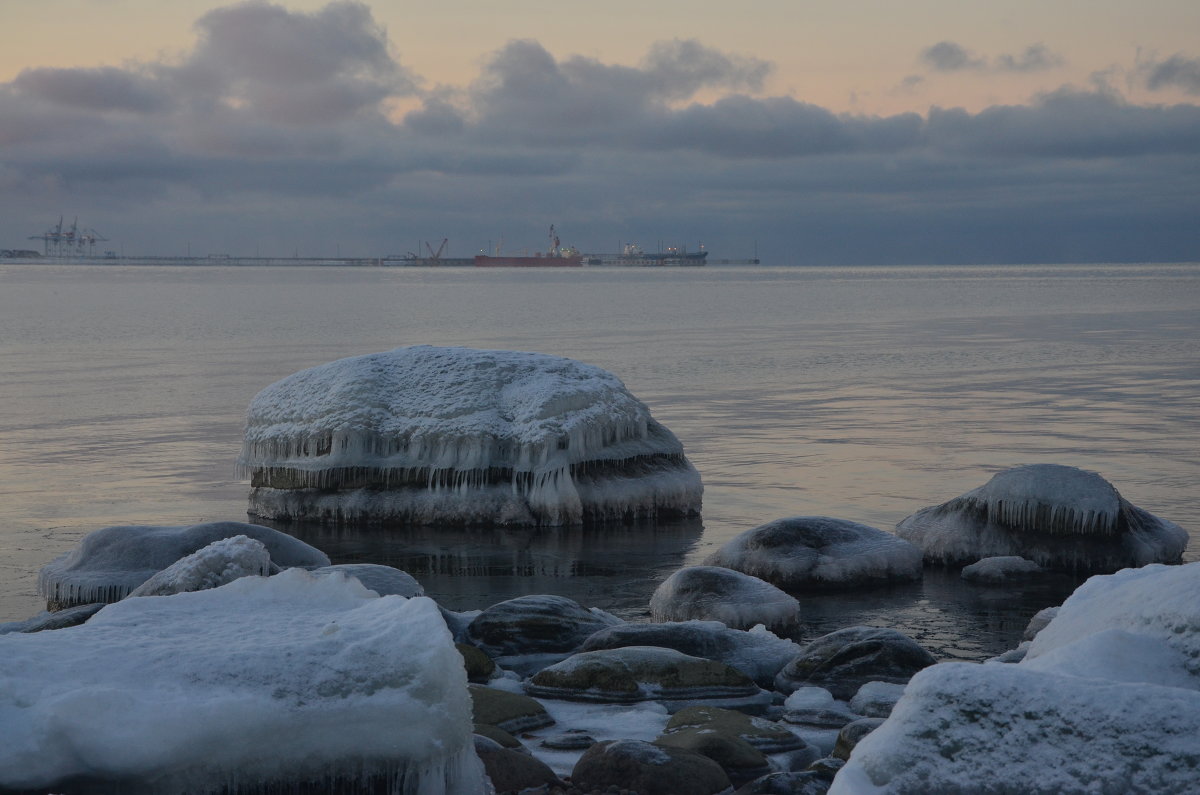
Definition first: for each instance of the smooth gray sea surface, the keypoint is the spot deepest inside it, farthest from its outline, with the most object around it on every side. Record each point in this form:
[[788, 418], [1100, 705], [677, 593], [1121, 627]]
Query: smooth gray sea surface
[[861, 393]]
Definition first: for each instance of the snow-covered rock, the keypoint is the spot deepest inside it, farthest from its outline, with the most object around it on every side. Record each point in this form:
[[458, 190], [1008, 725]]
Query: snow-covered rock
[[738, 600], [430, 435], [816, 707], [217, 564], [106, 565], [1041, 619], [819, 552], [266, 681], [1107, 699], [383, 580], [845, 660], [876, 699], [757, 652], [1001, 569], [1058, 516]]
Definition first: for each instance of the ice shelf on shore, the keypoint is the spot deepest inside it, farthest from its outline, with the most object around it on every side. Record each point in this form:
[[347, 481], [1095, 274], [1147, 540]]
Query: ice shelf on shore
[[1107, 700], [265, 682], [1057, 516], [428, 435], [106, 565]]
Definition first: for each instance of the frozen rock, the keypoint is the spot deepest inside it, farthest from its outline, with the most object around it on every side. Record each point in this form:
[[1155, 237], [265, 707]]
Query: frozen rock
[[1005, 728], [643, 673], [648, 770], [818, 552], [217, 564], [513, 771], [383, 580], [766, 736], [106, 565], [1058, 516], [805, 782], [428, 435], [876, 699], [851, 733], [1002, 569], [740, 760], [737, 600], [512, 712], [845, 660], [1039, 622], [530, 632], [61, 619], [758, 652], [267, 682], [816, 707], [480, 667]]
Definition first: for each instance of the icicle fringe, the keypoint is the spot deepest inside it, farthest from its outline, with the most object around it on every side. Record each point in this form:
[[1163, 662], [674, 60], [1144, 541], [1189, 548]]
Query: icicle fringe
[[1039, 517]]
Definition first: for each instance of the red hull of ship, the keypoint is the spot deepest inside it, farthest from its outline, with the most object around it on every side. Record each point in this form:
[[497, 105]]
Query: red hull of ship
[[484, 261]]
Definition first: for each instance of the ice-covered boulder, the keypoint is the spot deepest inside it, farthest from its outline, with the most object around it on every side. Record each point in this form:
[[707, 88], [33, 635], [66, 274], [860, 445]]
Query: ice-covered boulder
[[529, 632], [383, 580], [738, 600], [106, 565], [845, 660], [428, 435], [757, 652], [264, 683], [1107, 699], [644, 673], [816, 707], [1001, 569], [1058, 516], [876, 699], [217, 564], [819, 552]]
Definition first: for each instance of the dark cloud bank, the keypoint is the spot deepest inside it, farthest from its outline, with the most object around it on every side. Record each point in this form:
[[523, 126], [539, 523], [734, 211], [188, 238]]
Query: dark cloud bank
[[277, 133]]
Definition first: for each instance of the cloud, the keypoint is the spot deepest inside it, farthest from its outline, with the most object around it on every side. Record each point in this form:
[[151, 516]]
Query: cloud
[[948, 56], [678, 69], [102, 89], [1178, 71]]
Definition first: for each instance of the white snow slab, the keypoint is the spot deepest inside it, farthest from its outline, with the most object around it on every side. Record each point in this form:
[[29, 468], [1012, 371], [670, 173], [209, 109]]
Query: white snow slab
[[428, 434], [288, 679], [963, 727]]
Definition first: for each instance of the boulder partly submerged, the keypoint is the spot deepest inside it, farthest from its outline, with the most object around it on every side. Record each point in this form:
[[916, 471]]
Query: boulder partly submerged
[[264, 684], [740, 601], [819, 553], [427, 435], [1058, 516], [108, 564]]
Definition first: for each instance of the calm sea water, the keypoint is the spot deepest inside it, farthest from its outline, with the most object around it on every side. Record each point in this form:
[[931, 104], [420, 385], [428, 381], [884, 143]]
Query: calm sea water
[[862, 393]]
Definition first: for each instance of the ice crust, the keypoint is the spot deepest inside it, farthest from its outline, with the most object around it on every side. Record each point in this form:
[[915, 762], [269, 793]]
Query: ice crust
[[215, 565], [281, 680], [817, 552], [463, 436], [106, 565], [738, 600], [1058, 516], [1000, 569], [1107, 700]]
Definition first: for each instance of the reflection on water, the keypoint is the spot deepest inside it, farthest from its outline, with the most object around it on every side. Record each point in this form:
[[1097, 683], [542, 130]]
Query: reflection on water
[[614, 567]]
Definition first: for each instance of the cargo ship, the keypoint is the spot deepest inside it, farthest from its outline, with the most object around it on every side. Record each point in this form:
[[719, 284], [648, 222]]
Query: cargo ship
[[556, 257], [633, 255]]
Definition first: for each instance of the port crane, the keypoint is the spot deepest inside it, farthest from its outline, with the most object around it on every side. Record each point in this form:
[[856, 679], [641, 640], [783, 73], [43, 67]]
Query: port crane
[[60, 243]]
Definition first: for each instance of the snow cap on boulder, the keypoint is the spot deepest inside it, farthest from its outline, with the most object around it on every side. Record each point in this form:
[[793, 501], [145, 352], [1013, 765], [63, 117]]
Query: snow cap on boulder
[[740, 601], [460, 436]]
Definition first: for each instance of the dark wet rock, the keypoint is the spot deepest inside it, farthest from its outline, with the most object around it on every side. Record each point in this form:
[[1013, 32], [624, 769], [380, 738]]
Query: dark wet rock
[[480, 667], [1060, 517], [106, 565], [1041, 619], [799, 783], [69, 617], [816, 707], [851, 733], [647, 769], [828, 767], [1000, 570], [535, 625], [570, 740], [762, 734], [512, 771], [759, 654], [511, 712], [820, 553], [500, 737], [876, 699], [737, 600], [640, 673], [739, 759], [383, 580], [845, 660]]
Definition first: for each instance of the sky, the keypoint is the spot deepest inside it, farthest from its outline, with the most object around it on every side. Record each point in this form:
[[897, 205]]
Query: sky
[[825, 133]]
